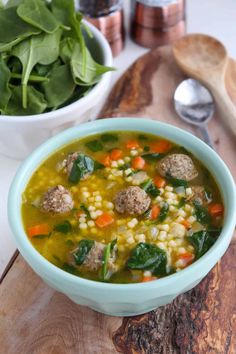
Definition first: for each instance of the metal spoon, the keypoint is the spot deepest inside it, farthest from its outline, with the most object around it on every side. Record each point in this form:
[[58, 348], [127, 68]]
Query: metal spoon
[[195, 105]]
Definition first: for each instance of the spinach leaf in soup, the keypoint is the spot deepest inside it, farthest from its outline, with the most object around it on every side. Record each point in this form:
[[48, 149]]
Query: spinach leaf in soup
[[201, 213], [150, 188], [94, 145], [109, 138], [201, 241], [146, 256], [64, 227], [36, 13], [175, 182], [69, 268], [163, 212], [106, 255], [152, 156], [82, 166], [84, 247]]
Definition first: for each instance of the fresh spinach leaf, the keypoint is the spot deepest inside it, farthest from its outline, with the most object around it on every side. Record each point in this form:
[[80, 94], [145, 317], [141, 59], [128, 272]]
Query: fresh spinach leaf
[[94, 145], [5, 92], [82, 166], [36, 13], [201, 213], [12, 29], [109, 138], [36, 102], [90, 73], [42, 49], [163, 212], [201, 241], [175, 182], [54, 94], [150, 188], [64, 227], [146, 256], [66, 49], [81, 253], [152, 156]]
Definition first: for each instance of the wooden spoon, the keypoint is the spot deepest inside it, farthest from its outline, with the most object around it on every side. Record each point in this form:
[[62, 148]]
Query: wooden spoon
[[205, 59]]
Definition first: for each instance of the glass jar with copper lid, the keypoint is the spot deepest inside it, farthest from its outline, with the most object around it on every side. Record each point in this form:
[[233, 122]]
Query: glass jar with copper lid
[[157, 22], [107, 16]]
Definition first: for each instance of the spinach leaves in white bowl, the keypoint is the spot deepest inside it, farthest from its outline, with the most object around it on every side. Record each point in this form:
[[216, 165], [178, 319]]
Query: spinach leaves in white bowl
[[45, 63]]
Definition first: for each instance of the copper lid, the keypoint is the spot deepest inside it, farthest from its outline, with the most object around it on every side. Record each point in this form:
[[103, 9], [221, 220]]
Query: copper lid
[[151, 38], [112, 26], [159, 16]]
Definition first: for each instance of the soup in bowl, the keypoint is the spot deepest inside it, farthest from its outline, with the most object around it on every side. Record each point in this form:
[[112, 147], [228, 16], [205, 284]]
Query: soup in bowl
[[122, 207]]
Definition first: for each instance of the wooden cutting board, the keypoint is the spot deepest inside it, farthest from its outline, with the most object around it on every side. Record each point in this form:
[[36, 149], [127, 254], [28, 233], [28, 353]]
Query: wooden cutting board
[[35, 319]]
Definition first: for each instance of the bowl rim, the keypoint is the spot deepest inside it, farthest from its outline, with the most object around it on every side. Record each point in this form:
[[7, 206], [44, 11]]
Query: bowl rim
[[145, 125], [108, 61]]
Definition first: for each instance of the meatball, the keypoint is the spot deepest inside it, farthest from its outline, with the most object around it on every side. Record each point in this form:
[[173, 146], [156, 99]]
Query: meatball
[[179, 166], [94, 258], [132, 200], [199, 194], [57, 200]]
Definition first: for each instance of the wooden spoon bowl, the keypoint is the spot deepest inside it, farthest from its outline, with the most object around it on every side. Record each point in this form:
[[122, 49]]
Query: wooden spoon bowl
[[205, 59]]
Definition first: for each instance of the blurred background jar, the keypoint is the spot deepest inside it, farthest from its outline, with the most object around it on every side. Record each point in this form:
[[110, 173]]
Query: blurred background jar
[[108, 17], [157, 22]]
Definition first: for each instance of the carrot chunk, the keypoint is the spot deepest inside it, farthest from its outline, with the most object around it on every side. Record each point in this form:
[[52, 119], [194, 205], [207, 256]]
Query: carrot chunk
[[155, 212], [187, 258], [132, 144], [104, 220], [216, 209], [159, 182], [36, 230], [186, 224], [160, 146], [146, 279], [106, 161], [138, 163], [116, 154]]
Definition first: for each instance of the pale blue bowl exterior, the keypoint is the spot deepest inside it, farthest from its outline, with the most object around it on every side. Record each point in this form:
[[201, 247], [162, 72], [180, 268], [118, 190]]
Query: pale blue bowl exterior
[[123, 299]]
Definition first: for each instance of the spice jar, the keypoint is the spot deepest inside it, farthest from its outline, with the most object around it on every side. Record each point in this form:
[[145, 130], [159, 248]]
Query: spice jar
[[157, 22], [107, 16]]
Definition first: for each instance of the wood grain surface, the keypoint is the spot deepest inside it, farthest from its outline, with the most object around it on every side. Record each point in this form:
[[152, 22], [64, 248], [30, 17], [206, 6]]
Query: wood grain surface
[[35, 319]]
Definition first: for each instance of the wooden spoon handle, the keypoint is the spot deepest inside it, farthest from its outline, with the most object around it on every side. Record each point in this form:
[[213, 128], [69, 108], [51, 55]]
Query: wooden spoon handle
[[225, 106]]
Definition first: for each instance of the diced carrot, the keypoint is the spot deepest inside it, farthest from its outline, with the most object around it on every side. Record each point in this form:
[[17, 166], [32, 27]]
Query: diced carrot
[[104, 220], [160, 146], [132, 144], [187, 257], [159, 182], [186, 224], [216, 209], [155, 212], [116, 154], [138, 163], [106, 161], [146, 279], [36, 230]]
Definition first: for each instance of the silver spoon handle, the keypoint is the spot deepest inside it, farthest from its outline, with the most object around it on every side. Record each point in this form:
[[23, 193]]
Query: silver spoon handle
[[206, 136]]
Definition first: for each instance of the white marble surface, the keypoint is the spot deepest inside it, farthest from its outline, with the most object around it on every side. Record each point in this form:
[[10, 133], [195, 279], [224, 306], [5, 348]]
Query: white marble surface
[[214, 17]]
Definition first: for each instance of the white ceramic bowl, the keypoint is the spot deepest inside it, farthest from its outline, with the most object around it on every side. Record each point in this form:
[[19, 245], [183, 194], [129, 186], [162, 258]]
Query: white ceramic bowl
[[19, 135], [123, 299]]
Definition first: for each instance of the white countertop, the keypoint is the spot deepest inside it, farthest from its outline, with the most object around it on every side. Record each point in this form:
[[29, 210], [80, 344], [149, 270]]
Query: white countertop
[[214, 17]]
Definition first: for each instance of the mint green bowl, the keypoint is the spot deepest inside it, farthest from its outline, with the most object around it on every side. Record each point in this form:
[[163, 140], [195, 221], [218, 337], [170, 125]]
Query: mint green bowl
[[123, 299]]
